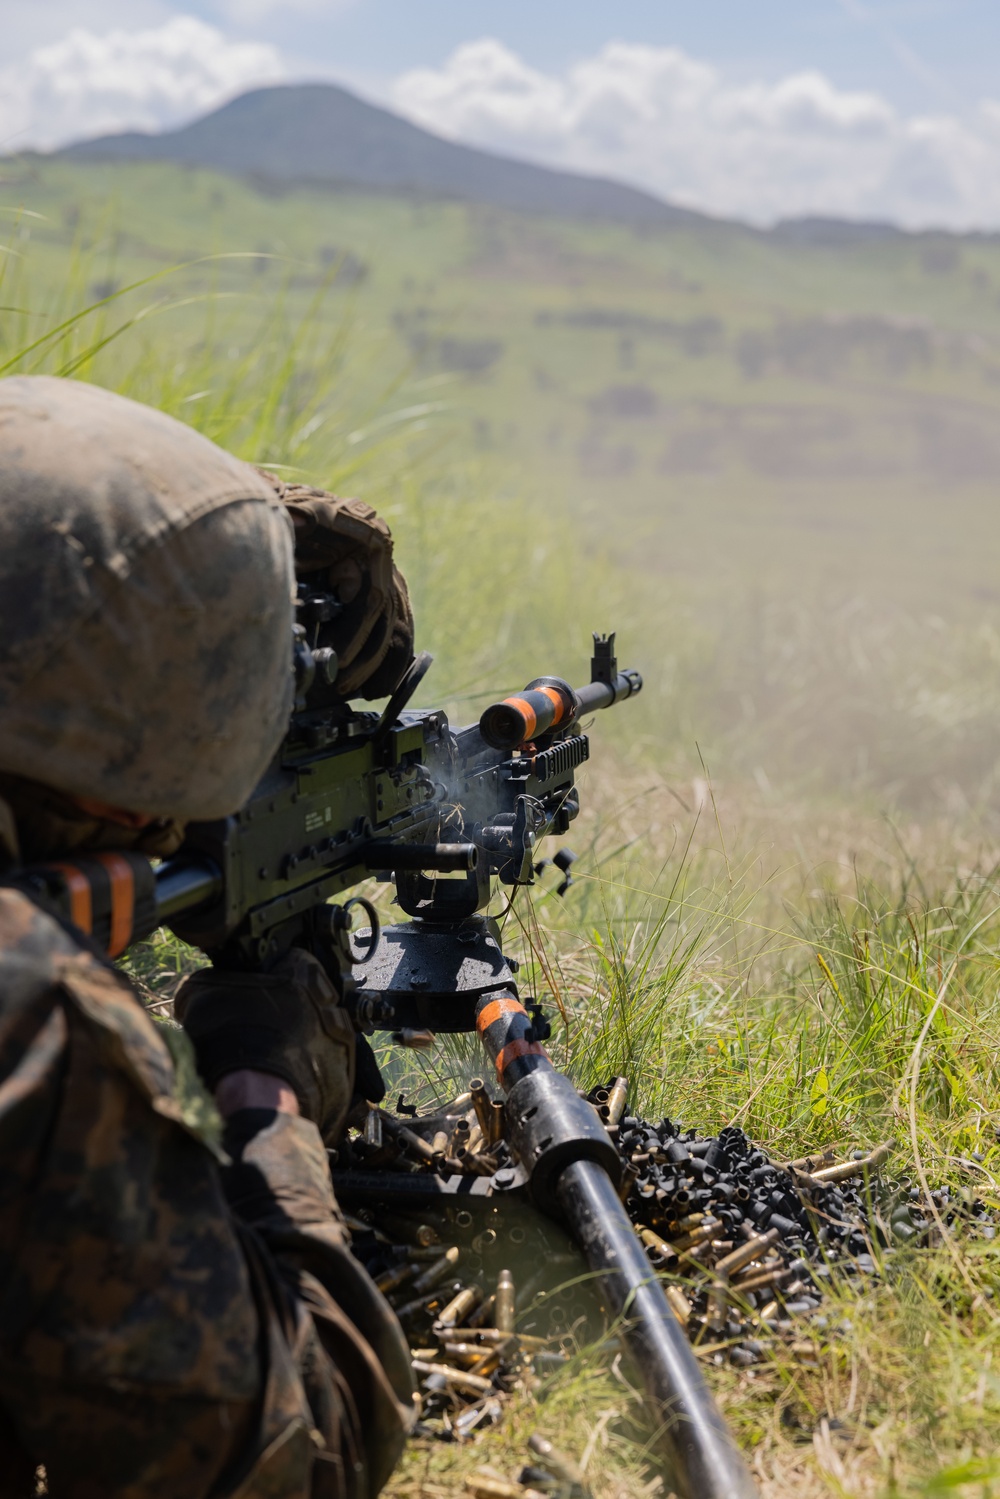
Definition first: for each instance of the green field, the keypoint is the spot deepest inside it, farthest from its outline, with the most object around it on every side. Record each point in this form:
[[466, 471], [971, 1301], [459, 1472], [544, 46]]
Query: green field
[[790, 452], [774, 469]]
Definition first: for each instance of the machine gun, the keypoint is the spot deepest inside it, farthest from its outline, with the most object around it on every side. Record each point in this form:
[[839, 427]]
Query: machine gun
[[442, 811], [399, 794]]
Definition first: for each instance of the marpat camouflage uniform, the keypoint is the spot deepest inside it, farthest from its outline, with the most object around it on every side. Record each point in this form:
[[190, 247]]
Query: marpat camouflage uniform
[[174, 1323], [157, 1339]]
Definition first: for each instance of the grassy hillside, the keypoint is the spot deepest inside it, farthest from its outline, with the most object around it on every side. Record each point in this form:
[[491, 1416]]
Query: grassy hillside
[[793, 446], [773, 467]]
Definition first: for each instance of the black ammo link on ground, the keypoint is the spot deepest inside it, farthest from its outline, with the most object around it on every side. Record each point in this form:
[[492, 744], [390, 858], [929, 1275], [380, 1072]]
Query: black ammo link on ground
[[743, 1245]]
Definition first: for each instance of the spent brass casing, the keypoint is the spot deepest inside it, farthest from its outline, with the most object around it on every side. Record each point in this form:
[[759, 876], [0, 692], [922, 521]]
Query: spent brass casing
[[482, 1315], [686, 1224], [617, 1099], [487, 1363], [753, 1249], [482, 1487], [410, 1231], [699, 1235], [808, 1162], [630, 1175], [491, 1337], [498, 1123], [460, 1378], [482, 1103], [760, 1279], [679, 1304], [437, 1271], [657, 1243], [558, 1463], [470, 1352], [848, 1169], [419, 1304], [415, 1144], [459, 1307], [423, 1254], [718, 1305], [504, 1305], [391, 1280]]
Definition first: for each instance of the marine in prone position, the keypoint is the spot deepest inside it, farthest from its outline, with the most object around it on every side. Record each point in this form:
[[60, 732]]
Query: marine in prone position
[[180, 1312]]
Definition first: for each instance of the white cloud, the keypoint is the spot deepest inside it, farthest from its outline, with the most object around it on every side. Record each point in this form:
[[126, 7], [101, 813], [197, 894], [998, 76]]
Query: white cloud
[[672, 124], [653, 116], [87, 84], [250, 12]]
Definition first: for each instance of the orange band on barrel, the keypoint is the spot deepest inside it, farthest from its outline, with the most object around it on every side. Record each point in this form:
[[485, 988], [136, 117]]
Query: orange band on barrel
[[515, 1049], [81, 905], [526, 711], [122, 901], [556, 699], [493, 1012]]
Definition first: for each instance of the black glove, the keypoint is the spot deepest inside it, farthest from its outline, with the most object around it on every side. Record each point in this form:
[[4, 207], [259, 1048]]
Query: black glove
[[288, 1022]]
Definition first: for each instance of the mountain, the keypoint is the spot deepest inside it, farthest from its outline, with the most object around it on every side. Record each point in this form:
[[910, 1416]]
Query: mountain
[[319, 133]]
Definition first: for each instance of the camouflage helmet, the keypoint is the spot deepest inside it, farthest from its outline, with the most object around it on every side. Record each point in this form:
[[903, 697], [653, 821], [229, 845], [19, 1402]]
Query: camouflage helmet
[[145, 605]]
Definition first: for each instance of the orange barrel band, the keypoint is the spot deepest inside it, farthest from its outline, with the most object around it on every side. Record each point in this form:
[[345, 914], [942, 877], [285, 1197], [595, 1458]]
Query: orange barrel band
[[529, 718], [515, 1049], [557, 701], [81, 900], [518, 719], [122, 880], [497, 1008]]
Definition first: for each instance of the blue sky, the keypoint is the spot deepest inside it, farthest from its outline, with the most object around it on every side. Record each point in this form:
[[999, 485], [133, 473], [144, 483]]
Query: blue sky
[[761, 108], [918, 53]]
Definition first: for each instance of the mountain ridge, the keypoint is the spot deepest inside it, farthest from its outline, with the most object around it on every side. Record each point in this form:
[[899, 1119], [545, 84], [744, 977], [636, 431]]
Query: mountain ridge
[[322, 134]]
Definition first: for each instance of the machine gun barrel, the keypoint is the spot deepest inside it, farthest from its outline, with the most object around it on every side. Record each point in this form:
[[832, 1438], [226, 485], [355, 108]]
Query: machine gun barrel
[[184, 884], [573, 1170], [443, 858], [550, 704], [706, 1462]]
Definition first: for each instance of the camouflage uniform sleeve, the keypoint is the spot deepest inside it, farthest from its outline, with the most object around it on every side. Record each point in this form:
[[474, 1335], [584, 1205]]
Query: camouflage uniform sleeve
[[279, 1182], [151, 1343]]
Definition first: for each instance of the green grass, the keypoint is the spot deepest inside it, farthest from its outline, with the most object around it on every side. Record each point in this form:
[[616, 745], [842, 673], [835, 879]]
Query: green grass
[[791, 513], [803, 938]]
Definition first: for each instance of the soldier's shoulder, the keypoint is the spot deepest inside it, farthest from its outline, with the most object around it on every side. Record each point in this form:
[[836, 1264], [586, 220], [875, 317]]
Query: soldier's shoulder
[[42, 962], [32, 947], [43, 965]]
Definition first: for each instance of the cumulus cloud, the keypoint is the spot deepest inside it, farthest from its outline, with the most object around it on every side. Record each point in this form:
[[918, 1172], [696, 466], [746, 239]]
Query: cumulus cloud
[[674, 125], [87, 85], [250, 12]]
